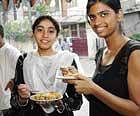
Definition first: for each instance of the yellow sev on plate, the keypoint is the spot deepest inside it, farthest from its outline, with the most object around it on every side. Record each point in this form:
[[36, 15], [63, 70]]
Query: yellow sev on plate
[[46, 96]]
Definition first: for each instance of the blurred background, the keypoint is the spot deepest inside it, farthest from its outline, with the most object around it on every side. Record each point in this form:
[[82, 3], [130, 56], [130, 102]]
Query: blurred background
[[17, 17]]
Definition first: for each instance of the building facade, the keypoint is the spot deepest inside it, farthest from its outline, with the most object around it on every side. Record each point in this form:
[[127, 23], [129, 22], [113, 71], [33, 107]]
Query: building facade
[[131, 21], [72, 17], [74, 23]]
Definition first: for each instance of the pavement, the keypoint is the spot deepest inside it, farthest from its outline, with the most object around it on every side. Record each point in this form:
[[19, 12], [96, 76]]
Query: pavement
[[89, 67]]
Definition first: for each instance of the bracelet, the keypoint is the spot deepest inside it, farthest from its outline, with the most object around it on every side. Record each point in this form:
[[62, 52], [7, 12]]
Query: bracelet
[[22, 98], [22, 104]]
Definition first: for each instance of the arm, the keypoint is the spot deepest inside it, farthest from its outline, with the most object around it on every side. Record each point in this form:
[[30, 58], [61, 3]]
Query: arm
[[19, 90], [17, 101], [73, 99], [127, 107], [13, 55], [134, 77]]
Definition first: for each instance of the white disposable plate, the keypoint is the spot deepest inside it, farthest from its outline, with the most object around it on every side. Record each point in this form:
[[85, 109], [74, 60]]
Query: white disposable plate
[[66, 77]]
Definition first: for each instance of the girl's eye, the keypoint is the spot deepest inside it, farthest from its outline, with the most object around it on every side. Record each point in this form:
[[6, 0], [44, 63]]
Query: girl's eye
[[92, 17], [39, 30], [103, 14], [51, 31]]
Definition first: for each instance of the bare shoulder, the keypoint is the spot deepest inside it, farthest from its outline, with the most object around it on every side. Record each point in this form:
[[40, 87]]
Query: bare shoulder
[[135, 56], [134, 62], [134, 76]]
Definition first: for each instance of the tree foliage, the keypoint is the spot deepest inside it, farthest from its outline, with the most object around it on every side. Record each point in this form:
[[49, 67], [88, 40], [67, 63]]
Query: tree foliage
[[42, 9], [18, 31], [135, 36]]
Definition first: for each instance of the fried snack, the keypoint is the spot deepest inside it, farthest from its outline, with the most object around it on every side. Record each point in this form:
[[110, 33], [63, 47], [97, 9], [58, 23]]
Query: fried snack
[[68, 71], [65, 71]]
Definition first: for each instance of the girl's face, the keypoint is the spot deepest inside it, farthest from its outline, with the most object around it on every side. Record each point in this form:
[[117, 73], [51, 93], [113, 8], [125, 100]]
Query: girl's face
[[103, 20], [45, 35]]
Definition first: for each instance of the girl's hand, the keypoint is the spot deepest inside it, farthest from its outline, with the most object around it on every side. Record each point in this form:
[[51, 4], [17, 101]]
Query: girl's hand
[[10, 85], [83, 84], [23, 91], [68, 71]]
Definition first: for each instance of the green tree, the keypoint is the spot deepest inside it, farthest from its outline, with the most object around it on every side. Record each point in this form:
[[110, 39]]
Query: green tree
[[18, 31], [135, 36], [41, 9]]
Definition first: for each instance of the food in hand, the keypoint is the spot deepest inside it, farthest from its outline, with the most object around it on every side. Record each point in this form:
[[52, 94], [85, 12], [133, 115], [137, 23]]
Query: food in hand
[[68, 71]]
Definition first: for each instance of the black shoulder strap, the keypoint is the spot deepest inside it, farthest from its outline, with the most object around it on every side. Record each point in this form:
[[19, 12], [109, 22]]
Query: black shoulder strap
[[133, 45], [128, 49], [98, 55], [74, 64], [19, 70], [123, 57]]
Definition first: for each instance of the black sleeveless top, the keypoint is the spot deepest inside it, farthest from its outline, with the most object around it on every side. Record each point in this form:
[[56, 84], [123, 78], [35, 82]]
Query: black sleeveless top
[[112, 78]]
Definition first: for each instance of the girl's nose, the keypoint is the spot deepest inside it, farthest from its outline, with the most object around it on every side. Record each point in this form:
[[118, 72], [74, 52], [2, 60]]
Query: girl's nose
[[45, 33]]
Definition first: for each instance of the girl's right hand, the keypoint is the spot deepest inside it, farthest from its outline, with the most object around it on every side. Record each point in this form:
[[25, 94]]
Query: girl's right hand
[[23, 91]]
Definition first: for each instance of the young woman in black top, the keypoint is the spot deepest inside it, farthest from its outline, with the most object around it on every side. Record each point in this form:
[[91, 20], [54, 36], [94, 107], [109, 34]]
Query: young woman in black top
[[114, 88]]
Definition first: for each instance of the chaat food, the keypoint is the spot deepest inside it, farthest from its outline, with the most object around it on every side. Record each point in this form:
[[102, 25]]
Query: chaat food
[[68, 71], [47, 96]]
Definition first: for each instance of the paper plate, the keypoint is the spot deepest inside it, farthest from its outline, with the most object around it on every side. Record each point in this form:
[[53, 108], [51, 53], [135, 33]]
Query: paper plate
[[66, 77], [46, 96]]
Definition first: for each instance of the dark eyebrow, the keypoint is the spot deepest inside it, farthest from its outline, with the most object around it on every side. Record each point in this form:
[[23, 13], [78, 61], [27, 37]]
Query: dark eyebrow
[[107, 11], [40, 26], [100, 12], [51, 27]]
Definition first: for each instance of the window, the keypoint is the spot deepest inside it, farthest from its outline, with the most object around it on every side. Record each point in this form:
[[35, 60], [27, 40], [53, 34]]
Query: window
[[82, 30], [73, 3], [66, 31], [74, 30]]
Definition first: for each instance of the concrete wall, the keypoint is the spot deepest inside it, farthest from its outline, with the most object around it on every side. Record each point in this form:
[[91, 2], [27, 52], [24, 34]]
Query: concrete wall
[[127, 4], [80, 9], [91, 40], [132, 23]]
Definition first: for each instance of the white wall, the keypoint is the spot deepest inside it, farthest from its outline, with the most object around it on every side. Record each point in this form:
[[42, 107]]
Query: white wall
[[131, 23], [79, 10], [91, 40]]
